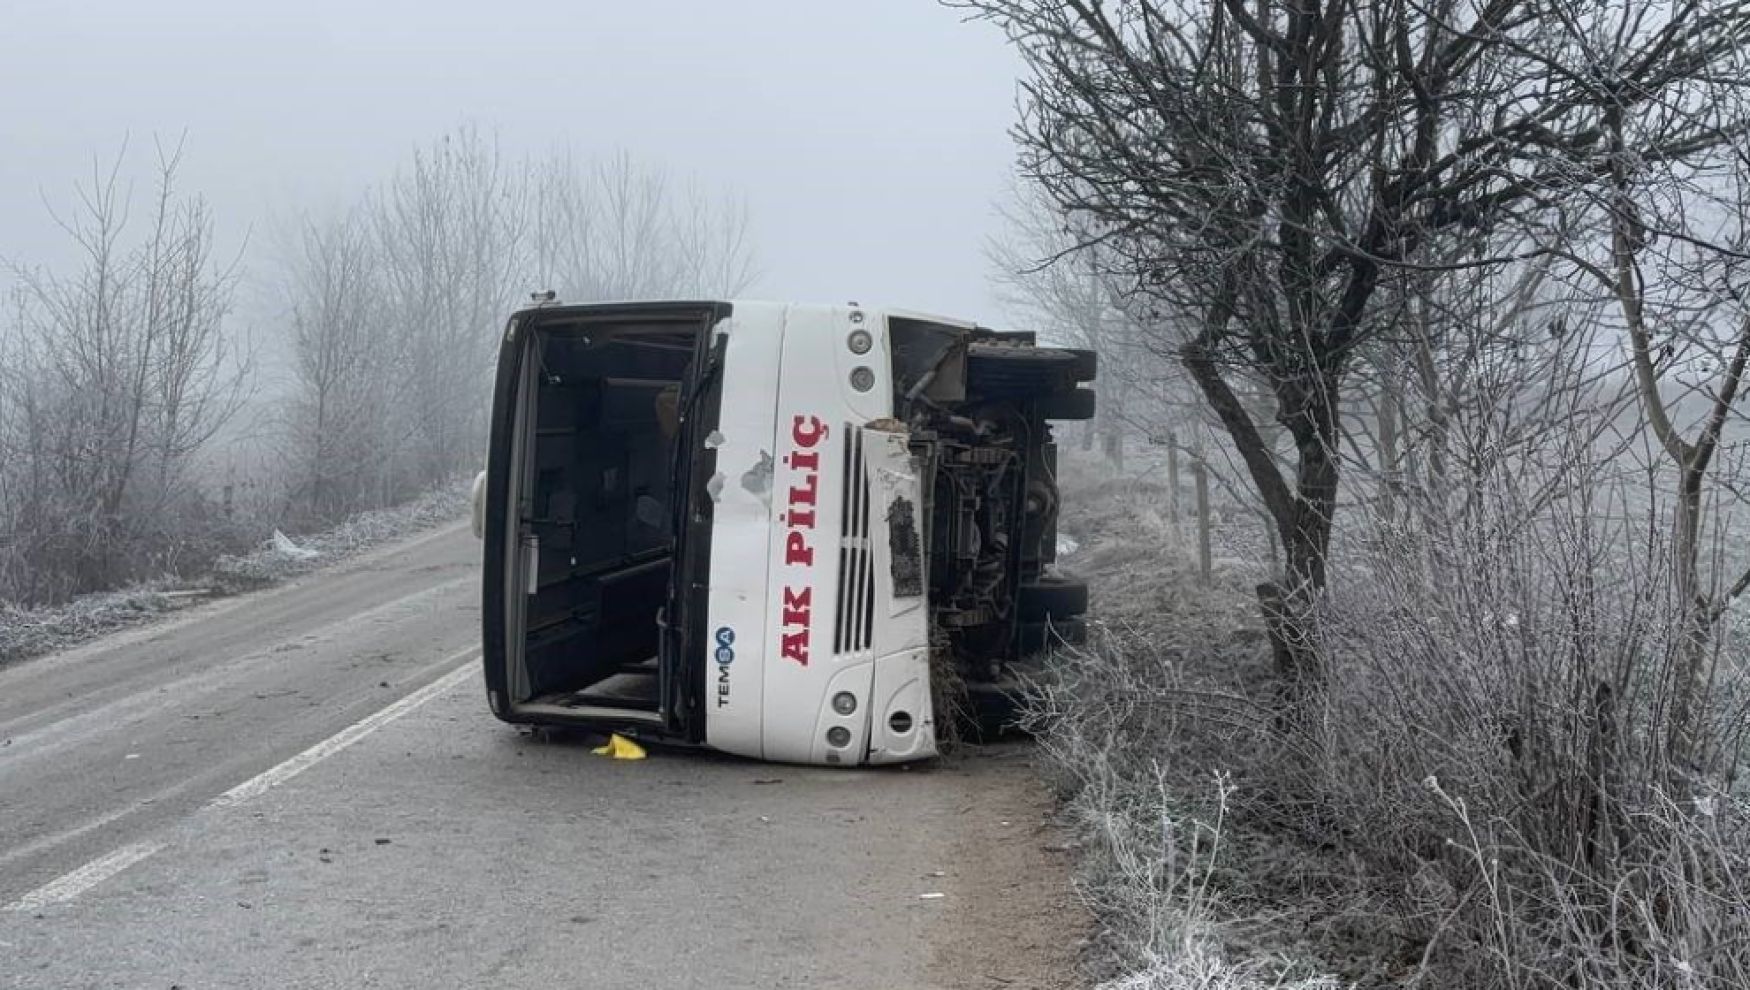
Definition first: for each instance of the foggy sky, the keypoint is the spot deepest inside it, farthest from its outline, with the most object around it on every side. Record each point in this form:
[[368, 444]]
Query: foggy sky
[[869, 139]]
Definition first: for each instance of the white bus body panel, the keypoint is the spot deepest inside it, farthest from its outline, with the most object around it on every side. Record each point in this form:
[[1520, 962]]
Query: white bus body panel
[[789, 424], [816, 408], [741, 531]]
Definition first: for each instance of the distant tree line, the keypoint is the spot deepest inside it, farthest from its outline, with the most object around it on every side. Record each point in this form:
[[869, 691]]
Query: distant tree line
[[123, 373], [396, 304]]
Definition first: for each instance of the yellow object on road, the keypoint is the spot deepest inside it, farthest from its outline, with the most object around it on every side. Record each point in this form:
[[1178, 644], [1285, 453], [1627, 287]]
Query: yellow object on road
[[620, 748]]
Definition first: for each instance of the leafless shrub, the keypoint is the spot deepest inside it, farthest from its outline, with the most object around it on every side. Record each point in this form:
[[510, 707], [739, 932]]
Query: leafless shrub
[[1482, 798], [1492, 739], [29, 632], [1493, 734], [32, 631], [1133, 729]]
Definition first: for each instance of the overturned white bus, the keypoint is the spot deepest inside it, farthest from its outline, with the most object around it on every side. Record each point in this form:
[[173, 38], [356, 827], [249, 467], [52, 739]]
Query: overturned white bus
[[752, 525]]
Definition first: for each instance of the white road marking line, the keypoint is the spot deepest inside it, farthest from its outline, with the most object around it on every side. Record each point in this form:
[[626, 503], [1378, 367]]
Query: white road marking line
[[84, 878], [53, 839], [263, 782]]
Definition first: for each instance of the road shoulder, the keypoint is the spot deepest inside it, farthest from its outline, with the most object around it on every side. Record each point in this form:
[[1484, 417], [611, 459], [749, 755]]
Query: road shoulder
[[450, 850], [1016, 922]]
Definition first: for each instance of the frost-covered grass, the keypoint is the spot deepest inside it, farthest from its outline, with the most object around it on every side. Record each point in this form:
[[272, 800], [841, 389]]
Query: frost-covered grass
[[30, 632], [270, 564], [1474, 799], [1147, 799], [35, 631]]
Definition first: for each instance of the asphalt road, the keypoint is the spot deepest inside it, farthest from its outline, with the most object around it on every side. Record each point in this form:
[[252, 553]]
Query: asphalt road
[[303, 788]]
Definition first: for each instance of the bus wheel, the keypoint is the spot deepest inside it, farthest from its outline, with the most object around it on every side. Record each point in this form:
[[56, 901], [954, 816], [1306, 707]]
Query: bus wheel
[[1052, 597], [996, 369], [1069, 404]]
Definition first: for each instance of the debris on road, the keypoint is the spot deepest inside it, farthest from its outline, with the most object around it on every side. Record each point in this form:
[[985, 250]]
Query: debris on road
[[620, 748], [283, 545], [280, 558]]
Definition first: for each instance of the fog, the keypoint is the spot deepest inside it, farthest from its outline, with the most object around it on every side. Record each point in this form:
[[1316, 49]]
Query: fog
[[281, 309], [1383, 466], [868, 141]]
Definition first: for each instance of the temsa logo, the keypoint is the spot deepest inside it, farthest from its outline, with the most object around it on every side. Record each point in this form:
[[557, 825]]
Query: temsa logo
[[803, 460]]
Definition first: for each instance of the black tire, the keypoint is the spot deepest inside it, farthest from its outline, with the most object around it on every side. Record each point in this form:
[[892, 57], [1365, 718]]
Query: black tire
[[1000, 370], [1038, 637], [1070, 404], [1053, 598]]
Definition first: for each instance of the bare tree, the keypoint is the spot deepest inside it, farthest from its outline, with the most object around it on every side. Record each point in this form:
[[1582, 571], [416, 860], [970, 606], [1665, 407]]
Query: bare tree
[[713, 238], [1045, 275], [449, 232], [611, 229], [119, 373], [345, 368], [1668, 249], [1268, 167]]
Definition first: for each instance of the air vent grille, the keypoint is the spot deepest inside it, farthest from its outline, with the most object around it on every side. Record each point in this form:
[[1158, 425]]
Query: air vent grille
[[855, 628]]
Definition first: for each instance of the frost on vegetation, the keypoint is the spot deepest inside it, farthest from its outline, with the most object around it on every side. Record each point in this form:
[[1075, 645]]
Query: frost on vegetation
[[1150, 879], [1158, 883], [29, 632], [280, 558], [1150, 859], [1153, 856], [1482, 797], [1199, 966]]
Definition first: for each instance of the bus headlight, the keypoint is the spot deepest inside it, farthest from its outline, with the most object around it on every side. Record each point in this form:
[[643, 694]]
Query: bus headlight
[[838, 736], [859, 341], [862, 379], [844, 703]]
